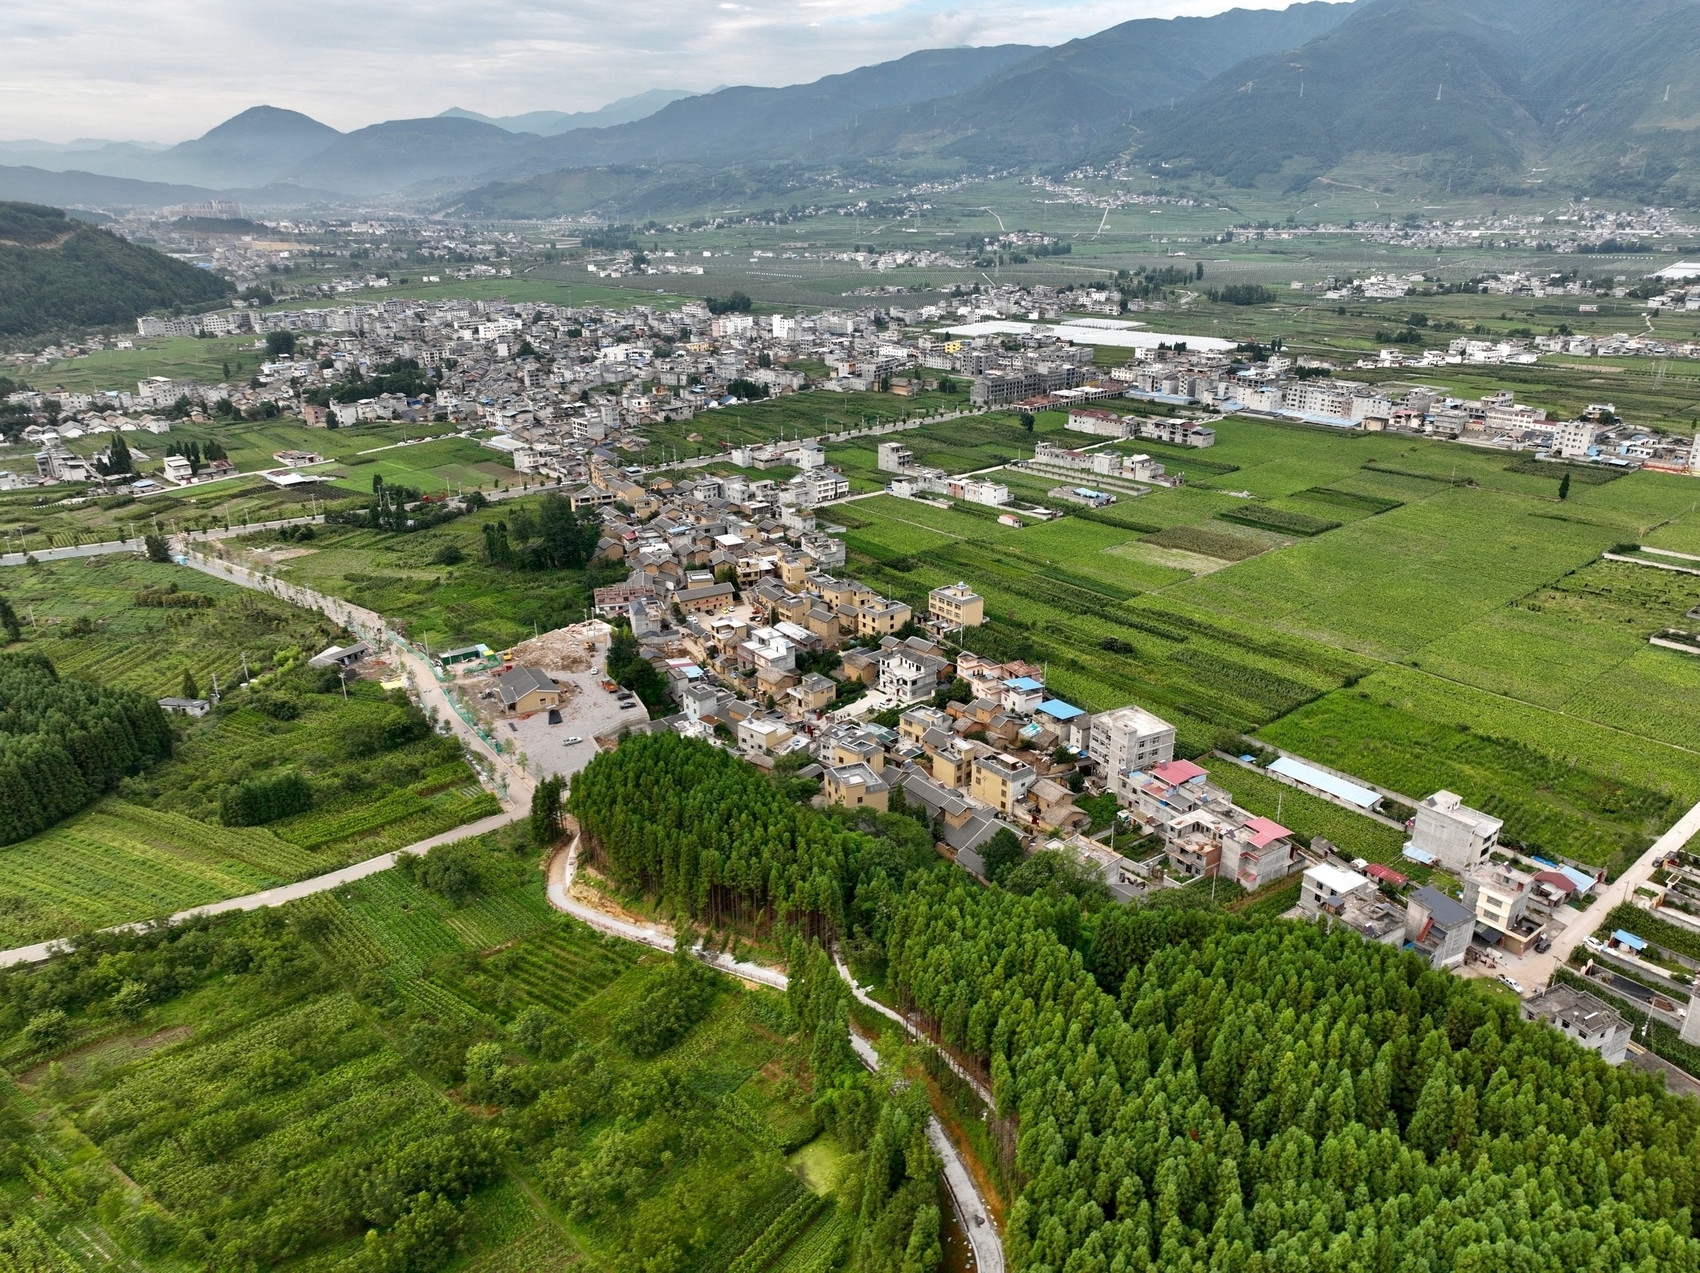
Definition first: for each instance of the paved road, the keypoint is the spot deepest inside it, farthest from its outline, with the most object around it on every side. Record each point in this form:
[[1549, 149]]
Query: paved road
[[965, 1195], [564, 866], [1534, 971], [514, 783], [275, 896], [914, 1032], [111, 546]]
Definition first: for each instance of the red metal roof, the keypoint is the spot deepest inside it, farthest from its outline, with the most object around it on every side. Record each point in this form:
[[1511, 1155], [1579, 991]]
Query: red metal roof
[[1265, 831], [1376, 871], [1177, 771]]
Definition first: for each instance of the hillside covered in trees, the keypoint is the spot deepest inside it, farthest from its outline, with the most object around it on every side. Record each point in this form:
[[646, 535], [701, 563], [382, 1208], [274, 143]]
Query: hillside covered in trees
[[1193, 1090], [56, 273], [64, 743]]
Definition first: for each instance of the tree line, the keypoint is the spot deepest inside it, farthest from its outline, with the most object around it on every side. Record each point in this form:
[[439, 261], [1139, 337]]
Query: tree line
[[65, 743], [553, 536], [718, 840], [1195, 1091]]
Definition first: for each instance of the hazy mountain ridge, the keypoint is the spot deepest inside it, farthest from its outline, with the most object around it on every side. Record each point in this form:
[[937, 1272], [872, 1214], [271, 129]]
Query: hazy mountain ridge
[[1495, 94], [1500, 87], [546, 123], [57, 273]]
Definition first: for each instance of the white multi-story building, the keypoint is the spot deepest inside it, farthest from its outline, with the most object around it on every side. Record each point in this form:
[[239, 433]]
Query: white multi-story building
[[1130, 738], [894, 457], [1573, 438], [1459, 837]]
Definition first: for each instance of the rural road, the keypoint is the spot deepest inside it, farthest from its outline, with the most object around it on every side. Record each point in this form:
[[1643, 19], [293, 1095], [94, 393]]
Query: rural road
[[1536, 970], [515, 782], [964, 1196], [970, 1206], [274, 896]]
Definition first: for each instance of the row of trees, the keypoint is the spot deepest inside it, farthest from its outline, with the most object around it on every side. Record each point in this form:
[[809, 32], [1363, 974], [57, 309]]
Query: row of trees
[[708, 833], [551, 537], [717, 839], [65, 743], [1267, 1095], [261, 800]]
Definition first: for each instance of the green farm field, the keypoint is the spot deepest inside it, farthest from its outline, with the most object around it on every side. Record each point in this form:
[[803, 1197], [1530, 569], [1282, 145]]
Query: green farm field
[[176, 357], [410, 579], [793, 415], [1456, 577], [159, 845], [83, 614], [430, 467], [383, 1030]]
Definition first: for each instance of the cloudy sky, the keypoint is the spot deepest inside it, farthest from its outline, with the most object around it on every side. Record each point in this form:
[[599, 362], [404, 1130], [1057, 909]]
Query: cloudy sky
[[167, 70]]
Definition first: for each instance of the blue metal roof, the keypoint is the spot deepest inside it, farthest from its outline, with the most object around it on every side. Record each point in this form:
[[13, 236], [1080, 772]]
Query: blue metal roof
[[1059, 710], [1629, 939], [1334, 785], [1024, 683]]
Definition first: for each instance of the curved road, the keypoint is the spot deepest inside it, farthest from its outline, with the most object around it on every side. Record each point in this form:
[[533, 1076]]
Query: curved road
[[517, 786], [964, 1194]]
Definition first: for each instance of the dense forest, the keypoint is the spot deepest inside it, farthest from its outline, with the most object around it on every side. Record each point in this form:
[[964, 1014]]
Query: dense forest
[[56, 273], [1194, 1090], [709, 833], [1266, 1095], [64, 743]]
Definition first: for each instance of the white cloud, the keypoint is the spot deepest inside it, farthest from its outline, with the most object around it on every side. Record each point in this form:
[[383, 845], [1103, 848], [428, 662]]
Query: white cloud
[[171, 69]]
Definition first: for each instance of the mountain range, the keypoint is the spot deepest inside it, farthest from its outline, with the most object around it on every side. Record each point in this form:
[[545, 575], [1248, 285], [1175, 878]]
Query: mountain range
[[1493, 94], [58, 274]]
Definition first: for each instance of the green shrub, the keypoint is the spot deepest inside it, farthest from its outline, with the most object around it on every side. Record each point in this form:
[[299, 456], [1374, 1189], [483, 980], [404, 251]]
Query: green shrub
[[261, 800]]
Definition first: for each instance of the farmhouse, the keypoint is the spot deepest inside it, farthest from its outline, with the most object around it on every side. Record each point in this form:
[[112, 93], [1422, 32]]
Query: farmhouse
[[525, 689]]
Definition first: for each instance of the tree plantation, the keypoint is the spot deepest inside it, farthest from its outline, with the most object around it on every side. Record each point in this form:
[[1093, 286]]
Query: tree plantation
[[63, 743], [1263, 1096]]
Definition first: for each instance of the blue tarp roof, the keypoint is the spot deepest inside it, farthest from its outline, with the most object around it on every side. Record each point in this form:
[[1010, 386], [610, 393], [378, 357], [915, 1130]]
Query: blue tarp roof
[[1629, 939], [1581, 879], [1334, 785], [1024, 683], [1059, 710]]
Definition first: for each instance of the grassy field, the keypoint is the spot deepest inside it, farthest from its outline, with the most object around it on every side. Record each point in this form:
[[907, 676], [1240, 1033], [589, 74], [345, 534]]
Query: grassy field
[[1457, 629], [159, 845], [407, 578], [793, 415], [429, 467], [177, 357], [83, 613], [319, 1057]]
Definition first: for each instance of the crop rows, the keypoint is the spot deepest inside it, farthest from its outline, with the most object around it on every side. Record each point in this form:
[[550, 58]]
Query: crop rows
[[101, 882], [1211, 543], [738, 1238], [389, 907], [1334, 497], [562, 967], [1280, 520], [436, 1000], [485, 922], [818, 1249], [539, 1250], [778, 1236]]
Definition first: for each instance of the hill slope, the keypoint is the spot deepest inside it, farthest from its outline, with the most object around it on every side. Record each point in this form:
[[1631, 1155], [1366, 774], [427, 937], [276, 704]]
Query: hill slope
[[249, 149], [1057, 102], [1482, 90], [548, 123], [744, 122], [56, 273]]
